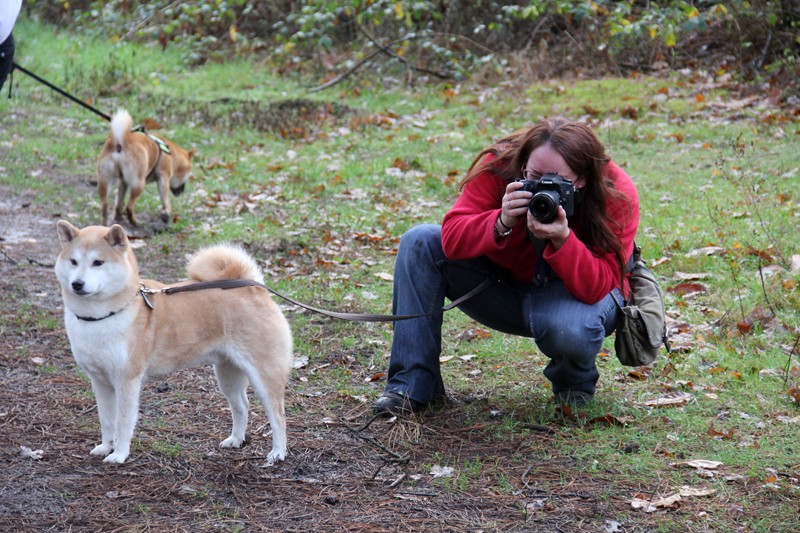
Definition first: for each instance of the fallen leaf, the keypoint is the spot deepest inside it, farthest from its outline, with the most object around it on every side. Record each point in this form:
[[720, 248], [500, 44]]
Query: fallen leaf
[[706, 250], [441, 471], [670, 400], [652, 505], [691, 276], [727, 435], [794, 392], [682, 289], [699, 463], [611, 420], [688, 492], [30, 454]]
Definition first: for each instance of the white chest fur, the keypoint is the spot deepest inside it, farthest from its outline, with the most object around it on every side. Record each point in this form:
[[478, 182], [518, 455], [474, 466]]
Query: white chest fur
[[100, 347]]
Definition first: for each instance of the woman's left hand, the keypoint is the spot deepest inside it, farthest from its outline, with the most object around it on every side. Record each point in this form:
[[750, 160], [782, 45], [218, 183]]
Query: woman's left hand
[[556, 231]]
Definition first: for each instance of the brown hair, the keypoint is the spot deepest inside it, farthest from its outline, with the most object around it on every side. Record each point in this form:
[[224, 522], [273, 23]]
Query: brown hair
[[585, 155]]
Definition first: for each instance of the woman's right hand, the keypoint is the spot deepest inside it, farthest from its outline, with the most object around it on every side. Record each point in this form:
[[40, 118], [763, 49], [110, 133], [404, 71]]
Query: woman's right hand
[[515, 204]]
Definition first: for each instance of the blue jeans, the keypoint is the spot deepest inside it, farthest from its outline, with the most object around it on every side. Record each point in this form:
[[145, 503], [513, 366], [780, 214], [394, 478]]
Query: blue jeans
[[569, 332]]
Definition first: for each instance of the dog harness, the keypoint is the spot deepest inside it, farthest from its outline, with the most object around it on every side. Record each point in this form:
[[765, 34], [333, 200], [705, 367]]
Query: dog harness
[[163, 148]]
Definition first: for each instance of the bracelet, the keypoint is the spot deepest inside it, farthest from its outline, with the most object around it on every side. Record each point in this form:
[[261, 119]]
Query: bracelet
[[501, 234], [500, 220]]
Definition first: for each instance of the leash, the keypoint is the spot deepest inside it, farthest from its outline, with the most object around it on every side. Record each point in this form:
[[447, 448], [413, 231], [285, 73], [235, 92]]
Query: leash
[[355, 317], [14, 65]]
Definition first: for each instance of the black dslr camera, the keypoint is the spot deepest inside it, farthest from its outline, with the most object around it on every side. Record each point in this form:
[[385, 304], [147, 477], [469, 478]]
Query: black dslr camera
[[550, 191]]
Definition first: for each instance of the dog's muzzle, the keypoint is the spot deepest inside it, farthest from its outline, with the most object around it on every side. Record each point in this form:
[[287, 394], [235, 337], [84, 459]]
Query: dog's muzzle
[[77, 287], [178, 190]]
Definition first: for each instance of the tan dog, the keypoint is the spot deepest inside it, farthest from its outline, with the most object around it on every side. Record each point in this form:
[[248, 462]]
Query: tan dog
[[136, 158], [120, 336]]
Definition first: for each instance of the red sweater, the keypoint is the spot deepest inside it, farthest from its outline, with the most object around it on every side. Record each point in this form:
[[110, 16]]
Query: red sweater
[[468, 232]]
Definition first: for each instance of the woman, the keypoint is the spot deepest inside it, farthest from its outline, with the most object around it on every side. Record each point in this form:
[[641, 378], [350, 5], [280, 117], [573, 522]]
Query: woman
[[555, 276]]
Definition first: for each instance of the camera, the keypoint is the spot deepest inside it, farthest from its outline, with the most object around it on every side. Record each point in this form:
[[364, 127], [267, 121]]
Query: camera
[[550, 191]]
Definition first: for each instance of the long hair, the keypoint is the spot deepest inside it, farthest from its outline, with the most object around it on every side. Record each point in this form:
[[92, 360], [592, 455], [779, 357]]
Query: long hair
[[585, 155]]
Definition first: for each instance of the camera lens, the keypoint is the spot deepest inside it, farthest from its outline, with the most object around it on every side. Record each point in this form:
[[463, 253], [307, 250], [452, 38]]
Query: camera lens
[[544, 205]]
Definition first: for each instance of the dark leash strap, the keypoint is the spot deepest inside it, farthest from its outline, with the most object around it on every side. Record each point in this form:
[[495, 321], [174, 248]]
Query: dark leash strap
[[59, 90], [355, 317]]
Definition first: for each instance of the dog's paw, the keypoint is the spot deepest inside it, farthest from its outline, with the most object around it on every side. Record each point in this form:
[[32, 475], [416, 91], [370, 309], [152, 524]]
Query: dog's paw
[[116, 458], [231, 442], [101, 449], [274, 456]]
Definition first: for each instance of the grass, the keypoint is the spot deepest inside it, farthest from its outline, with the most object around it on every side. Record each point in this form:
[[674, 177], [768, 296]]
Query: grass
[[323, 211]]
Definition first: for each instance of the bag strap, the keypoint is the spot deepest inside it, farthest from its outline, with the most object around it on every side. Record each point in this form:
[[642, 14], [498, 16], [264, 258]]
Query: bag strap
[[635, 257]]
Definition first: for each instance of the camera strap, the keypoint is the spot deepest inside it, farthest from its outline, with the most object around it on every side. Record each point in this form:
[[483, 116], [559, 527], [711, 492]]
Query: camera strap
[[543, 273]]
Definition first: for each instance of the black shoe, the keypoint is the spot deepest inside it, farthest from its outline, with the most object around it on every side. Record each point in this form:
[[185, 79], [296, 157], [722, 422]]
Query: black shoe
[[392, 404], [573, 398]]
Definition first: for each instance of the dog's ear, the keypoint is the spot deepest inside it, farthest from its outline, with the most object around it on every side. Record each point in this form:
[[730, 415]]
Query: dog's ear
[[116, 237], [66, 232], [191, 152]]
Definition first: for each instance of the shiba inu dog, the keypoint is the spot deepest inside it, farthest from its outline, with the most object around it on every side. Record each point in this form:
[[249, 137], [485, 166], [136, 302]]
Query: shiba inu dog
[[123, 330], [135, 158]]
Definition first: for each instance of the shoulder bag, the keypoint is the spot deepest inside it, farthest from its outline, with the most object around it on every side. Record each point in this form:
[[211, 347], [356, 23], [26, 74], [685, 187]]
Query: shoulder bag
[[641, 324]]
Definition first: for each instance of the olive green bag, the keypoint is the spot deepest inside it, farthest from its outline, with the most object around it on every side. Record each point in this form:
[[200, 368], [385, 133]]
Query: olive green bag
[[641, 324]]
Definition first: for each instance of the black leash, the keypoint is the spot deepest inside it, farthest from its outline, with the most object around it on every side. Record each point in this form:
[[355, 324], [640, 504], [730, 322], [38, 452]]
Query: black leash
[[355, 317], [58, 90]]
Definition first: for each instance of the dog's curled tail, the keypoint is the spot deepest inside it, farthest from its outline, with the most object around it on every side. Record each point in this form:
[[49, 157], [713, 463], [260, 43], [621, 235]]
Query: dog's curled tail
[[121, 124], [223, 261]]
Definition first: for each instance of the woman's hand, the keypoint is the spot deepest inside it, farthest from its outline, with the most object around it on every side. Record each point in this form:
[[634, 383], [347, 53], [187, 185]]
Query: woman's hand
[[556, 231], [515, 204]]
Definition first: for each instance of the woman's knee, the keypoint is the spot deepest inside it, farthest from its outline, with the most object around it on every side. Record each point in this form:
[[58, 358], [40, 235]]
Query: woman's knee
[[570, 339], [421, 241]]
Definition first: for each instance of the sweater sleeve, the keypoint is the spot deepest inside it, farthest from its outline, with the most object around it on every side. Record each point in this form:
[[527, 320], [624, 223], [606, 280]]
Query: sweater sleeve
[[468, 227]]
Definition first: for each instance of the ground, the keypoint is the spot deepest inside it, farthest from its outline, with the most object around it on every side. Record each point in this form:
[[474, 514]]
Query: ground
[[345, 471]]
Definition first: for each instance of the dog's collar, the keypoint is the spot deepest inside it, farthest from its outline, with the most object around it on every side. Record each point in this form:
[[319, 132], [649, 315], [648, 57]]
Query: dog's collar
[[143, 291]]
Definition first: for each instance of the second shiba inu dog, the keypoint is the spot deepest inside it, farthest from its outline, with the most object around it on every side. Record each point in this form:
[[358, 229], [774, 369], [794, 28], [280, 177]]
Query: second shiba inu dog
[[135, 158], [121, 334]]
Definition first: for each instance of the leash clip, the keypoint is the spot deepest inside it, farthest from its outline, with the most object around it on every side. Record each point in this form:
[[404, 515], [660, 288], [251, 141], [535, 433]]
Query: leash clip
[[144, 291]]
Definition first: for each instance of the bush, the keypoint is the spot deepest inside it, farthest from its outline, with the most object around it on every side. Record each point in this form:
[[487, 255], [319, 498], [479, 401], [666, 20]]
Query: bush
[[452, 38]]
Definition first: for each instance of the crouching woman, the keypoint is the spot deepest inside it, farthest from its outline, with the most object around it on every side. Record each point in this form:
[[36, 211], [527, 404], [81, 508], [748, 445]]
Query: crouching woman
[[556, 265]]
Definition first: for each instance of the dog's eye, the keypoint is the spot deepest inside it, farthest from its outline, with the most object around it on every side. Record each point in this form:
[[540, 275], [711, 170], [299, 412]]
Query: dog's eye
[[97, 263], [73, 262]]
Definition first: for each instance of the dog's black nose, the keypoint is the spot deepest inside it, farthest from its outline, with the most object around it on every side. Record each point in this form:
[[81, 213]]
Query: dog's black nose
[[77, 286], [178, 190]]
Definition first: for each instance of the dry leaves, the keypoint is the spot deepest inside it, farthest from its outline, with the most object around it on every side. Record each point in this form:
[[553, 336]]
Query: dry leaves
[[651, 505], [672, 399]]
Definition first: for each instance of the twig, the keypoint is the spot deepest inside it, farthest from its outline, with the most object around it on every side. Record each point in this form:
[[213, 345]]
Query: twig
[[397, 481], [397, 456], [736, 284], [789, 360], [764, 287], [8, 257], [344, 75], [385, 50], [39, 263], [765, 51], [147, 19]]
